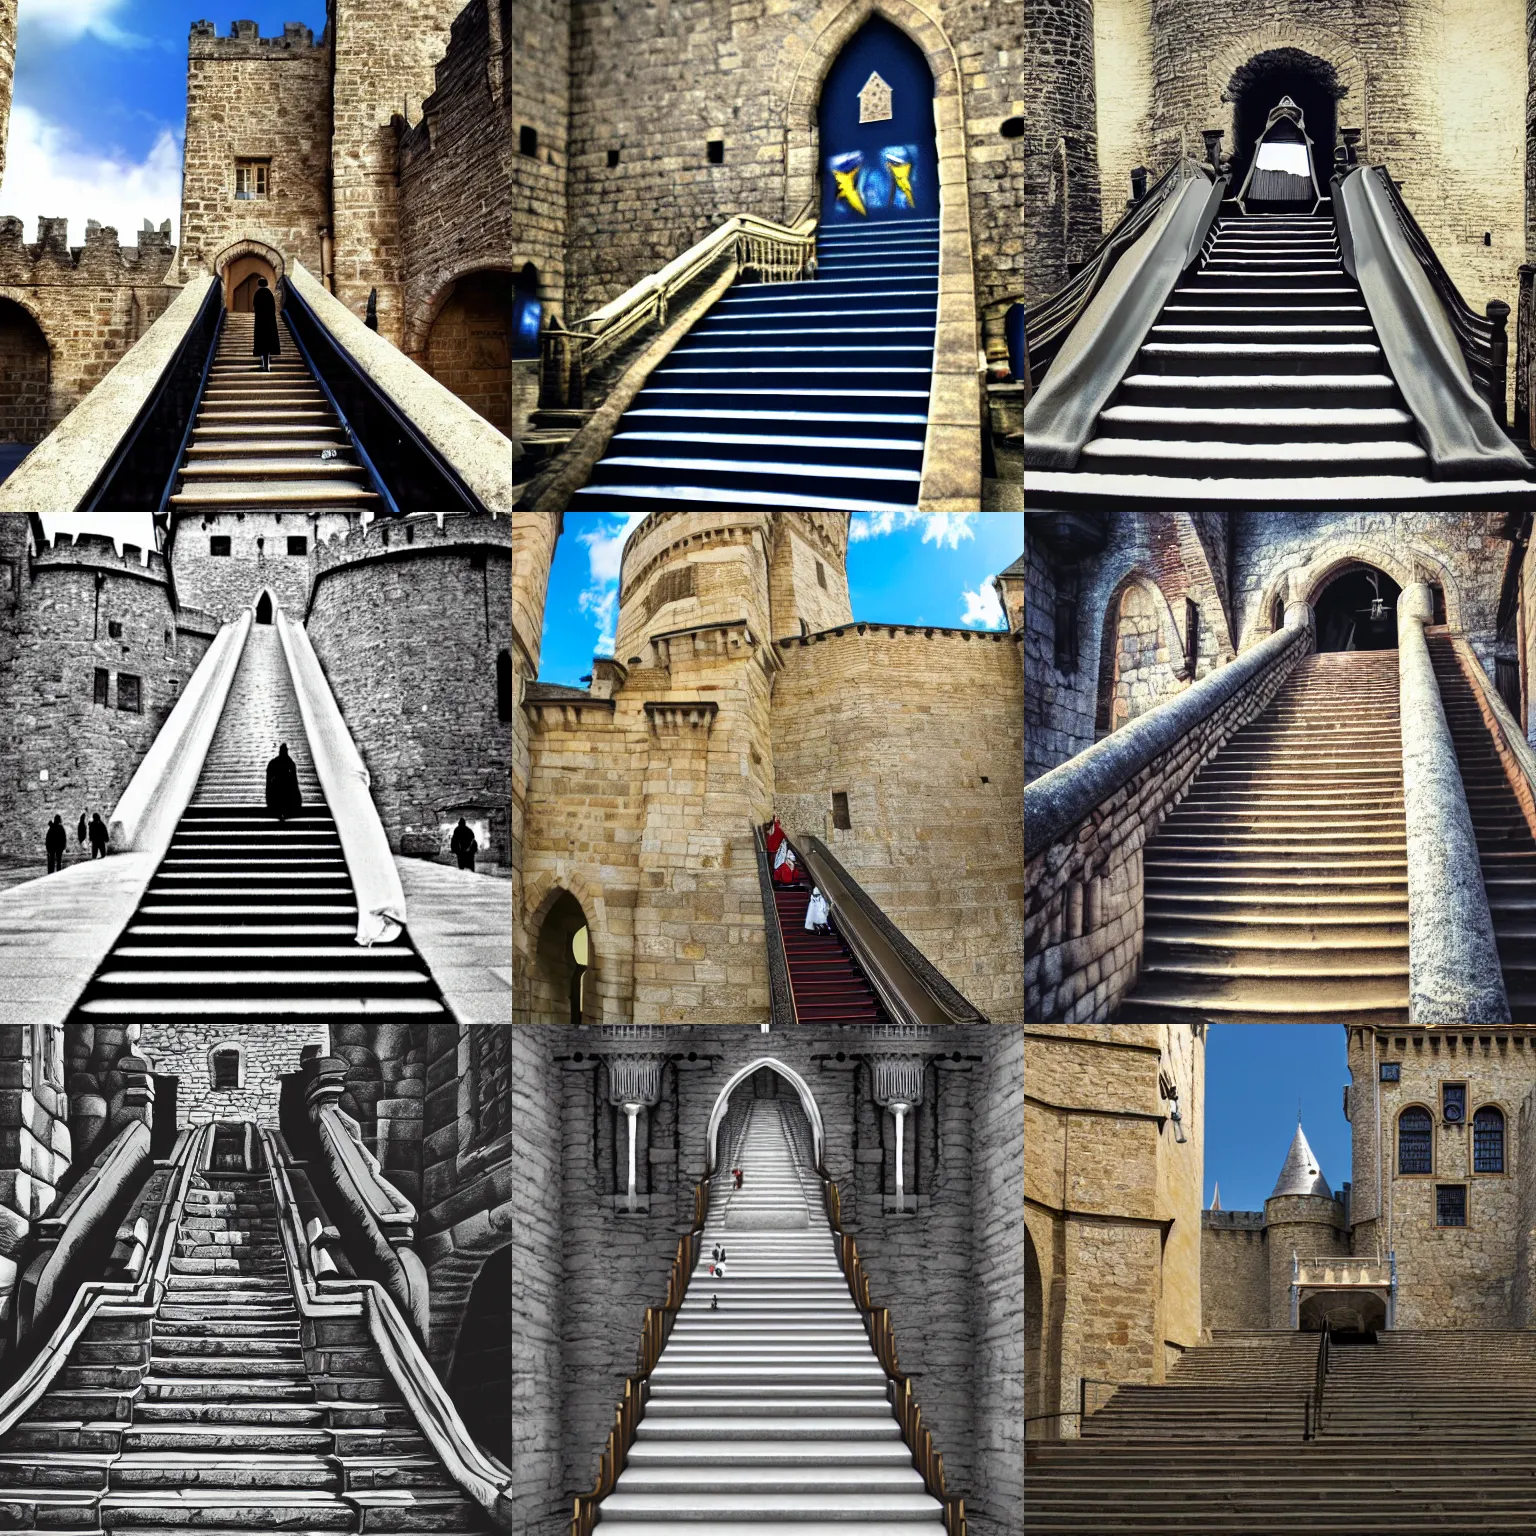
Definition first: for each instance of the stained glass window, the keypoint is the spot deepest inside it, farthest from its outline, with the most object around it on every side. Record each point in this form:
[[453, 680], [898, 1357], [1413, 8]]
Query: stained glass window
[[1488, 1141], [1413, 1148], [1450, 1205], [1454, 1103], [492, 1047], [1391, 1071]]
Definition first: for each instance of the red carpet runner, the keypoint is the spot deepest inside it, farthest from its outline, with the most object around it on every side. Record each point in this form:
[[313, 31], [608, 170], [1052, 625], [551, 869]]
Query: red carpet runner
[[829, 986]]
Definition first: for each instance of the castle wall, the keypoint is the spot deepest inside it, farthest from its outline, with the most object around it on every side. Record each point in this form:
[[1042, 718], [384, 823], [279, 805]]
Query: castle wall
[[35, 1143], [870, 710], [254, 96], [267, 1052], [408, 618], [541, 30], [1523, 1287], [1234, 1270], [227, 585], [62, 752], [795, 593], [385, 56], [456, 217], [1306, 1226], [7, 71], [1122, 63]]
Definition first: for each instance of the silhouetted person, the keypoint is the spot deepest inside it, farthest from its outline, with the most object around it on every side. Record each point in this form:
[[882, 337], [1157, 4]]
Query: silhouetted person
[[81, 829], [98, 837], [737, 1172], [55, 841], [283, 797], [264, 307], [464, 844]]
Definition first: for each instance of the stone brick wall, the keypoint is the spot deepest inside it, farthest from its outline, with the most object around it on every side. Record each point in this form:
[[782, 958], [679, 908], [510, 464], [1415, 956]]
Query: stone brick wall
[[1061, 165], [456, 217], [7, 71], [227, 585], [1522, 1298], [408, 617], [62, 752], [267, 1052], [1122, 64], [869, 710], [257, 97], [1527, 633], [36, 1148], [1083, 917], [794, 592], [541, 30], [1234, 1270]]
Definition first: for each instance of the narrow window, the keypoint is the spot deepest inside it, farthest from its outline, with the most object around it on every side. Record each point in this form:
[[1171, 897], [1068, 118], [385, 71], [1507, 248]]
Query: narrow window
[[101, 686], [1413, 1141], [527, 140], [115, 628], [1454, 1103], [716, 151], [1191, 635], [1488, 1141], [218, 544], [504, 686], [7, 576], [251, 179], [476, 562], [613, 158], [1277, 614], [821, 576], [128, 693], [170, 642], [1066, 634], [840, 809], [226, 1069], [1450, 1205]]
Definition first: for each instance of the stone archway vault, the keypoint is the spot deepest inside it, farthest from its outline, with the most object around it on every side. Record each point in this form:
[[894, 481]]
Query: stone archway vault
[[793, 1078], [952, 447]]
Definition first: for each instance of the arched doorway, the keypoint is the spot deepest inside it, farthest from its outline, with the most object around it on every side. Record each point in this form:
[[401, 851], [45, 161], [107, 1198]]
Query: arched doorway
[[24, 369], [1255, 90], [878, 156], [1034, 1330], [792, 1079], [469, 348], [1357, 610], [264, 608], [1131, 677], [563, 983], [482, 1363], [527, 312], [241, 280]]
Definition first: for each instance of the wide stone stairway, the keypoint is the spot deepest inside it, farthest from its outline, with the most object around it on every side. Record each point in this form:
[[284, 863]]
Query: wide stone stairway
[[248, 917], [769, 1414], [260, 439], [1262, 382], [793, 395], [1185, 1460], [1277, 890], [235, 1425], [1505, 846]]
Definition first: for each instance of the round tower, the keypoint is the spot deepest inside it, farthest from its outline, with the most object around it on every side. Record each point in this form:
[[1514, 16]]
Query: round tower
[[1301, 1218]]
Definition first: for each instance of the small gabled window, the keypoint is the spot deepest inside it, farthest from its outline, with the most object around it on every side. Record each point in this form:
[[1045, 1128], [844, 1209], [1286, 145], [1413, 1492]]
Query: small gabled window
[[115, 629], [840, 809], [1450, 1205], [252, 178], [226, 1069]]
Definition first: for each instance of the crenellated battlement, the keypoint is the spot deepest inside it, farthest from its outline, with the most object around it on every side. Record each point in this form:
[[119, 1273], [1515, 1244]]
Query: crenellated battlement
[[102, 259], [416, 533], [97, 552], [246, 42]]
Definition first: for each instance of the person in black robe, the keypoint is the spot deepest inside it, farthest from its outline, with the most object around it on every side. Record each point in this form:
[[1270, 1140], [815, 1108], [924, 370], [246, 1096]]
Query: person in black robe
[[83, 829], [98, 837], [464, 844], [283, 797], [264, 305], [56, 840]]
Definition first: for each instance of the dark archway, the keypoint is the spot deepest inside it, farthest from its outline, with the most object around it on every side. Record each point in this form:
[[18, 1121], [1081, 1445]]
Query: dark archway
[[264, 609], [1357, 610], [1256, 88], [480, 1380], [878, 155], [24, 371], [563, 989], [241, 280], [527, 312], [469, 347], [1034, 1333]]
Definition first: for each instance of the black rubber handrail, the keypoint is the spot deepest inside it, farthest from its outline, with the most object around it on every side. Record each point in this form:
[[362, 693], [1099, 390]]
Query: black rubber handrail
[[134, 478], [418, 477], [781, 992], [197, 402]]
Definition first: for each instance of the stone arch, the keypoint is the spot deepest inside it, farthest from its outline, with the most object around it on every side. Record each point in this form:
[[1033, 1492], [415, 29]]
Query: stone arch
[[27, 424], [952, 447], [26, 373], [540, 900], [423, 313], [798, 1083], [1042, 1327], [1109, 641], [1301, 577], [266, 600], [242, 260], [472, 356], [1332, 48]]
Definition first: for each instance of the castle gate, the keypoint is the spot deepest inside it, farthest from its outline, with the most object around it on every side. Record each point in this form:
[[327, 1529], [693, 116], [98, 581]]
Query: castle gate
[[23, 376], [1357, 610], [1257, 87]]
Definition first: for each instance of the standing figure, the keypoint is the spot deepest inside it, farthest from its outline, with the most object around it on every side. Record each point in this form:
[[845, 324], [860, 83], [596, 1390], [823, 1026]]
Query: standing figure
[[283, 797], [81, 829], [785, 870], [98, 836], [55, 841], [816, 918], [464, 844], [265, 345], [737, 1172]]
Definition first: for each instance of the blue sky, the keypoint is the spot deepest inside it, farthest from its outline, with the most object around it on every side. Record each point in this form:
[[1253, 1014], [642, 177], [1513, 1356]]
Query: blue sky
[[100, 106], [903, 568], [1254, 1075]]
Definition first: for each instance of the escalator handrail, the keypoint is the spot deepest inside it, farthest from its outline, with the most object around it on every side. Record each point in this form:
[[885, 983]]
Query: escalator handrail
[[781, 989], [407, 428], [375, 480], [197, 400], [477, 1473], [99, 486]]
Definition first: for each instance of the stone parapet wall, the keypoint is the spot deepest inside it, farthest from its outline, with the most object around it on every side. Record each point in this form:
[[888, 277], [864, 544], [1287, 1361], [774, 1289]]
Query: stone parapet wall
[[1234, 1272], [1087, 822], [258, 558]]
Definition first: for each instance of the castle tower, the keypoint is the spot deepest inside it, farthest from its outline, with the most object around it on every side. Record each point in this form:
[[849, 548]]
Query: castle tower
[[223, 561], [1302, 1217]]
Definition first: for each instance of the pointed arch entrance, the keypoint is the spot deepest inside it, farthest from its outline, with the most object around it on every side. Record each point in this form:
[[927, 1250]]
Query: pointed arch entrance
[[264, 608], [793, 1078]]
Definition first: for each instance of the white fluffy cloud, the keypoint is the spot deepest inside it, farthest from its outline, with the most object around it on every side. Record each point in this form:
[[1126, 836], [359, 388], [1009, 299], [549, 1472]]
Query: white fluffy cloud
[[983, 610], [605, 553], [51, 172], [66, 20], [132, 527], [939, 528]]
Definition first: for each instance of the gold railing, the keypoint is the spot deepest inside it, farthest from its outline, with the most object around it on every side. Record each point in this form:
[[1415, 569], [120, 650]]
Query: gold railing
[[928, 1461], [654, 1333]]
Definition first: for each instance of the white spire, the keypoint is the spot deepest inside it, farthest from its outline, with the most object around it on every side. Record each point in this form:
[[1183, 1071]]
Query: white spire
[[1301, 1174], [1216, 1197]]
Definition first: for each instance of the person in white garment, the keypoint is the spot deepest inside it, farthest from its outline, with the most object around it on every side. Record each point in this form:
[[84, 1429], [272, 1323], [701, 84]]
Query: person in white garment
[[816, 919]]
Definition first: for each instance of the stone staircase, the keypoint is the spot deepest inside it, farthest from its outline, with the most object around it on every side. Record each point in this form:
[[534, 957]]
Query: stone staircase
[[1505, 846], [247, 917], [238, 1417], [769, 1414], [260, 438], [829, 984], [1277, 890], [1262, 383], [1461, 1404], [793, 395]]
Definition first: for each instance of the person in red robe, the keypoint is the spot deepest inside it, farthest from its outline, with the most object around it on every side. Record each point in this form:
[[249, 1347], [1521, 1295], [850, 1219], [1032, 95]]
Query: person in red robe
[[775, 837], [785, 870]]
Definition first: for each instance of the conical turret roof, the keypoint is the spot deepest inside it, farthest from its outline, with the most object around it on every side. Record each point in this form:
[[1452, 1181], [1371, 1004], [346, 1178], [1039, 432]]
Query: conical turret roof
[[1216, 1198], [1301, 1174]]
